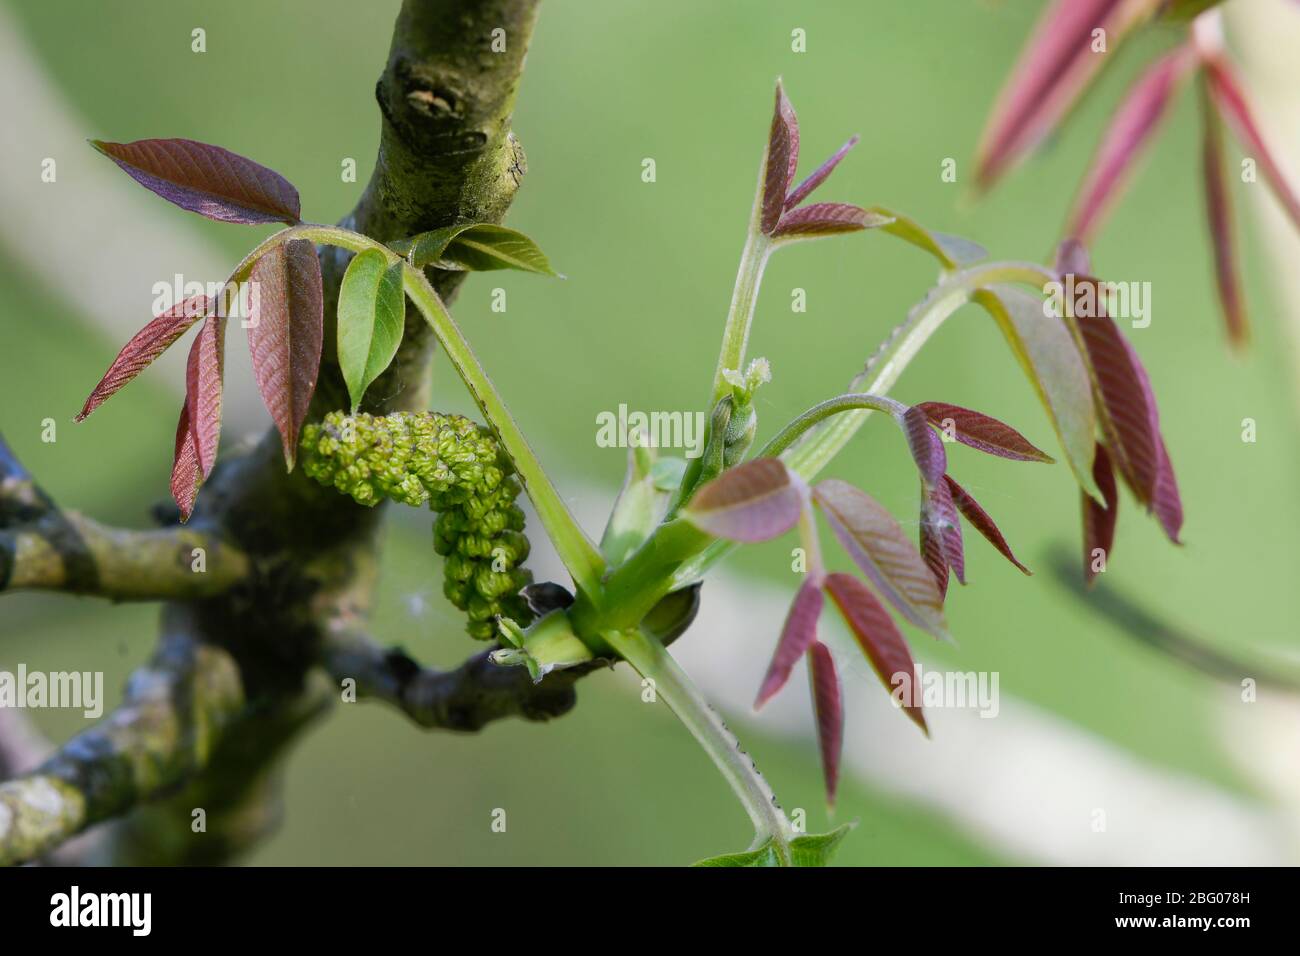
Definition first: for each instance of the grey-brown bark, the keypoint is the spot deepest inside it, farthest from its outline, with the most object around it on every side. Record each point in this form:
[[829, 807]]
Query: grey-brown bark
[[237, 676]]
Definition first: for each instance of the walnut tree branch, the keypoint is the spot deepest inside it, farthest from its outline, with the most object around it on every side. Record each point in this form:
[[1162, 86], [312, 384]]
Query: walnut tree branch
[[465, 699], [174, 713], [43, 547]]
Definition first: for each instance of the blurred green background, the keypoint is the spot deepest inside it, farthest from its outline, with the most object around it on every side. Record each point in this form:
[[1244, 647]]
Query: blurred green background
[[650, 269]]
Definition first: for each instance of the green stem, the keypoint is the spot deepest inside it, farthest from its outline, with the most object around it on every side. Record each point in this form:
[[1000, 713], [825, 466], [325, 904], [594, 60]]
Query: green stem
[[579, 554], [652, 661], [740, 317], [576, 550], [819, 413], [744, 297]]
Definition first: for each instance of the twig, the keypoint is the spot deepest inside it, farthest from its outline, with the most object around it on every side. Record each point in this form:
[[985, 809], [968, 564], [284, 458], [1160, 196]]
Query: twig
[[465, 699], [174, 713]]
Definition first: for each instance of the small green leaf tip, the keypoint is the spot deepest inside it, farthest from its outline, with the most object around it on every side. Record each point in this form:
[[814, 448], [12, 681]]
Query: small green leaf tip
[[457, 467], [811, 849]]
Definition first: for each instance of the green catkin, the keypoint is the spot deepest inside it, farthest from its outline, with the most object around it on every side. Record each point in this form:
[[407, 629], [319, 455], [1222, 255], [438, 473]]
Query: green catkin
[[458, 467]]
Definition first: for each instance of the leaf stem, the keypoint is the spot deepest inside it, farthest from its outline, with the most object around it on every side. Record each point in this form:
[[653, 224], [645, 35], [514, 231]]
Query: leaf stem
[[740, 317], [653, 662], [795, 429], [579, 554]]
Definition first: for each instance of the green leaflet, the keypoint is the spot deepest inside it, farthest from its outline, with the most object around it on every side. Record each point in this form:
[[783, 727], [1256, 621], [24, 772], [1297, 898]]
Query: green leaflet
[[953, 252], [1048, 354], [638, 509], [372, 311], [474, 247], [813, 849]]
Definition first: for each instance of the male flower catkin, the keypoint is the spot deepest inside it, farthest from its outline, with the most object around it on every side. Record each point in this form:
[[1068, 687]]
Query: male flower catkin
[[456, 466]]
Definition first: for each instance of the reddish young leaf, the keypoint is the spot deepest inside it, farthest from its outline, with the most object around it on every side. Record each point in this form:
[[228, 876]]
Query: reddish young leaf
[[1057, 64], [798, 634], [1218, 208], [285, 335], [941, 543], [1126, 404], [933, 555], [203, 375], [826, 219], [208, 180], [980, 520], [145, 346], [982, 431], [753, 502], [1128, 411], [878, 545], [878, 637], [1098, 521], [926, 447], [1166, 502], [782, 158], [1129, 131], [819, 176], [186, 476], [1233, 106], [830, 714]]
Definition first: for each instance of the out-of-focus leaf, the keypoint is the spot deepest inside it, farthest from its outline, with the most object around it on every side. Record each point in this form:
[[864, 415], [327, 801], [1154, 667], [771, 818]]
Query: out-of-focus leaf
[[476, 247], [371, 318], [203, 385], [1218, 208], [1166, 502], [753, 502], [781, 162], [829, 709], [980, 520], [875, 632], [953, 252], [1056, 65], [982, 431], [284, 337], [1228, 96], [1098, 520], [1047, 352], [186, 475], [1129, 132], [208, 180], [145, 346], [825, 219], [819, 176], [1186, 9], [798, 634], [811, 849], [941, 544], [879, 546]]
